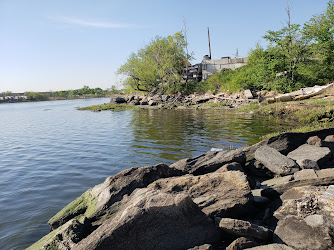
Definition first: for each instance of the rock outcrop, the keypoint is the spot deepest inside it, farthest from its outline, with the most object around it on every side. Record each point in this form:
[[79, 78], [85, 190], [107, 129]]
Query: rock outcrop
[[276, 194], [151, 219], [224, 194]]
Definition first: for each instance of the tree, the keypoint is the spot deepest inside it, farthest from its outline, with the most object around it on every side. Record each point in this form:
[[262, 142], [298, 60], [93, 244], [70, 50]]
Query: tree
[[158, 66], [320, 30], [84, 91]]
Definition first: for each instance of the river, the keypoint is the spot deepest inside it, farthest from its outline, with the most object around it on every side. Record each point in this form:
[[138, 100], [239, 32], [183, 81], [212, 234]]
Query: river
[[50, 153]]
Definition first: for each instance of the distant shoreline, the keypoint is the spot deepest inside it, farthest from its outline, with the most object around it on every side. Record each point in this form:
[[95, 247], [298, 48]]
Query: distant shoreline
[[20, 100]]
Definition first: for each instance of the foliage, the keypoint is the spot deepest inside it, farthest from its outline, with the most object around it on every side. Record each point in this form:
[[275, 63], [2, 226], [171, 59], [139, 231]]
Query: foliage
[[84, 91], [6, 93], [35, 96], [157, 67], [297, 56], [308, 115], [320, 30]]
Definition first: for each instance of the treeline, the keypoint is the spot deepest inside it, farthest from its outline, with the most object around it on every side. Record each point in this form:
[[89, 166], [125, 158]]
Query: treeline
[[86, 92], [297, 56]]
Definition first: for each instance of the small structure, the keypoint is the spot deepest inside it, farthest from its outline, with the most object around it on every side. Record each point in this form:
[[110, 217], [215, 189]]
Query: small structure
[[210, 66], [207, 67]]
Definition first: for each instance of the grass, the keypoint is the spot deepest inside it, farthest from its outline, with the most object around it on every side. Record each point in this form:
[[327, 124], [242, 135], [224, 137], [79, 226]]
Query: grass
[[215, 105], [308, 115], [109, 106]]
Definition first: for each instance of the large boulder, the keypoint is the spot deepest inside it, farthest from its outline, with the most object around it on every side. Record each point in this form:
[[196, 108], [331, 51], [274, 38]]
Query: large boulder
[[244, 228], [225, 194], [274, 246], [305, 174], [320, 155], [65, 236], [103, 198], [306, 218], [210, 162], [307, 200], [325, 177], [120, 100], [154, 220], [276, 162], [312, 232], [242, 243], [287, 142]]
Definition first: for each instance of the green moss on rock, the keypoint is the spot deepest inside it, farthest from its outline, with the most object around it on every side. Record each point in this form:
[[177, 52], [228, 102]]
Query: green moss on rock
[[84, 205], [48, 240]]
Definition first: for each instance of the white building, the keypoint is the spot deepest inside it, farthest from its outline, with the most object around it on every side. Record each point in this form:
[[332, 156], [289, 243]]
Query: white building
[[210, 66]]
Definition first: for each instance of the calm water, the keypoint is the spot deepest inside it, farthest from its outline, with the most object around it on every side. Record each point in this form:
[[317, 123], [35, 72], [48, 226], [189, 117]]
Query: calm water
[[50, 153]]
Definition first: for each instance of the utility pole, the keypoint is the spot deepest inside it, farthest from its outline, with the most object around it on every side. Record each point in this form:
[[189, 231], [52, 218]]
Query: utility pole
[[288, 12], [209, 43], [185, 37]]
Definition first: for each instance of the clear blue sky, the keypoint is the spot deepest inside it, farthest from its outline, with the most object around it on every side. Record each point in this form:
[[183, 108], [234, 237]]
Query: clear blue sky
[[66, 44]]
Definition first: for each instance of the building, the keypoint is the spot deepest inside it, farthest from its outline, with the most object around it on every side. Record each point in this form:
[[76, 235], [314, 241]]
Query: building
[[207, 67], [210, 66]]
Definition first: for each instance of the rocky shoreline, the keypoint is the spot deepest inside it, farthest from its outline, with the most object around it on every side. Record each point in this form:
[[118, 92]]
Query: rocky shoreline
[[276, 194], [234, 100], [173, 101]]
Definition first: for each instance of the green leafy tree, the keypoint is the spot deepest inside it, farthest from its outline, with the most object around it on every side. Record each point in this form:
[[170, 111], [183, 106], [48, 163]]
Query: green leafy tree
[[35, 96], [157, 67], [320, 30], [85, 90]]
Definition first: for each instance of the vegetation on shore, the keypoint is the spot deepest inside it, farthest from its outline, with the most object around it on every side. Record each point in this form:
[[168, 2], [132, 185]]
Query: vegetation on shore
[[297, 56], [309, 114], [109, 106]]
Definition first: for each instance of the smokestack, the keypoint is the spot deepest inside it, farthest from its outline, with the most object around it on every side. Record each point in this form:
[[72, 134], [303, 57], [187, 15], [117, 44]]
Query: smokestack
[[209, 43]]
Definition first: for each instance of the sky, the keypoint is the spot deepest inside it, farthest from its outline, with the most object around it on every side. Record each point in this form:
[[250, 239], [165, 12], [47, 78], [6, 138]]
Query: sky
[[60, 44]]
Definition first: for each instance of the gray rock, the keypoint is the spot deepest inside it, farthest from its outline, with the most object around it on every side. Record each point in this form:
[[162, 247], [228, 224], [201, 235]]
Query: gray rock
[[244, 228], [277, 181], [165, 98], [276, 162], [242, 243], [120, 100], [310, 152], [329, 138], [325, 173], [154, 220], [308, 164], [152, 103], [202, 247], [276, 191], [307, 233], [314, 140], [256, 168], [209, 162], [234, 166], [274, 246], [248, 94], [99, 200], [305, 174], [257, 196], [65, 236], [307, 200], [225, 194], [287, 142]]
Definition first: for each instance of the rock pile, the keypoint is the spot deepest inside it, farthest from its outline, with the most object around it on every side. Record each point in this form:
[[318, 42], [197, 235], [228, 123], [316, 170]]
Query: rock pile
[[277, 194], [171, 101]]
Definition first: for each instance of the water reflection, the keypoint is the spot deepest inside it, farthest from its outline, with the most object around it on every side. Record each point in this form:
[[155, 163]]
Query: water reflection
[[175, 134]]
